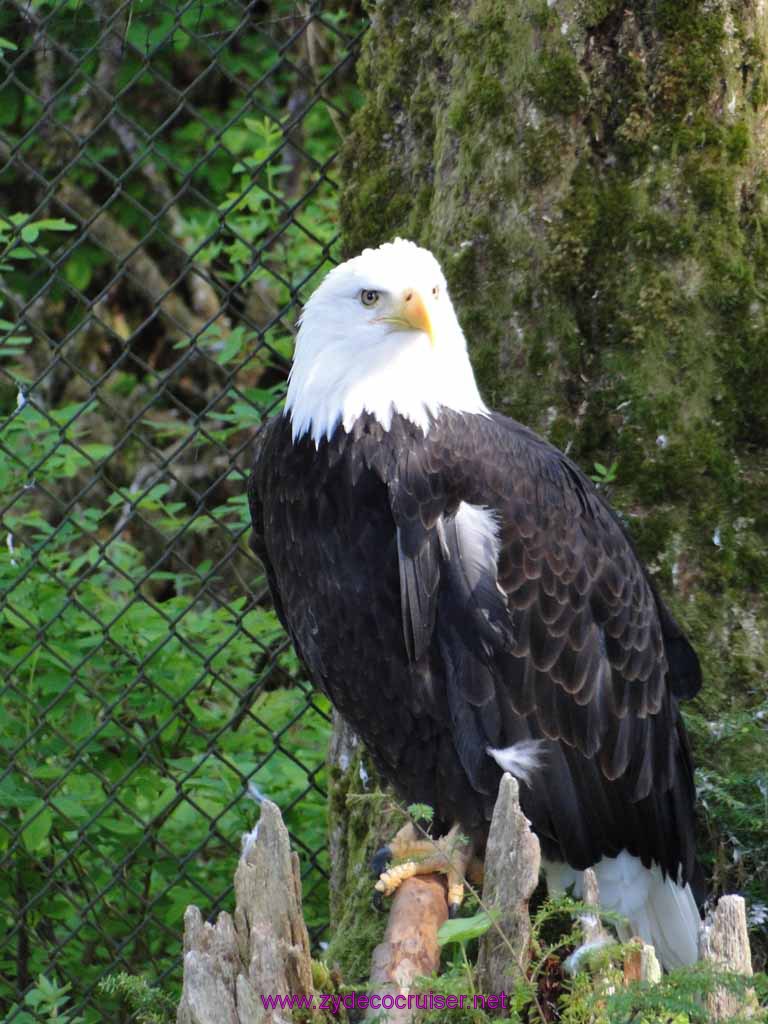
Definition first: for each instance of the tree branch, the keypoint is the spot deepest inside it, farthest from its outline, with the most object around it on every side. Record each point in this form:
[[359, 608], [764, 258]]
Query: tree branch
[[410, 948]]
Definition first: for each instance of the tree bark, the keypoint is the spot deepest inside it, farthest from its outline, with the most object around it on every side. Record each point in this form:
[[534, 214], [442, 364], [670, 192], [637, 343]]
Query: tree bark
[[362, 817], [512, 863], [263, 950], [590, 173], [725, 944], [409, 949]]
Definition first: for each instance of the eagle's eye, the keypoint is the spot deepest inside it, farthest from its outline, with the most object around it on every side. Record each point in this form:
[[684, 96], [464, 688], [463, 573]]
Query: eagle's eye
[[436, 291], [368, 297]]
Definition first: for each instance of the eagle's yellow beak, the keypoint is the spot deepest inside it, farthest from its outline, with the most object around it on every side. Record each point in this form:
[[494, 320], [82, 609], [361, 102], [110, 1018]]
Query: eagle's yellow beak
[[414, 313], [410, 313]]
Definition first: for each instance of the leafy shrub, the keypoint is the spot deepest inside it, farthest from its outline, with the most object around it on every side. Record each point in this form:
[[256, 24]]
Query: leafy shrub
[[126, 787], [149, 695]]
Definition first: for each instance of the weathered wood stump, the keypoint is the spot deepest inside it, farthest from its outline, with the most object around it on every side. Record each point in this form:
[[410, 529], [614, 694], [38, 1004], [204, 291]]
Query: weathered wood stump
[[641, 964], [724, 943], [594, 931], [263, 950], [512, 863]]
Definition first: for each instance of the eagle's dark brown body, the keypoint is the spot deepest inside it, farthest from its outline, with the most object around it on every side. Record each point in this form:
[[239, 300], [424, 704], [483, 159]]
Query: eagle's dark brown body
[[433, 658]]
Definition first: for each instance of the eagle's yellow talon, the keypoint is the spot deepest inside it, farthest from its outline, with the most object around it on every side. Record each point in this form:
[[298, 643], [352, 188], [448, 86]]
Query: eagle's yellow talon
[[448, 856], [391, 880], [456, 894]]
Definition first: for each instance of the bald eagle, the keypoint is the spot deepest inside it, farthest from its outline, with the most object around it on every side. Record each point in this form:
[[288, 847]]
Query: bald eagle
[[469, 601]]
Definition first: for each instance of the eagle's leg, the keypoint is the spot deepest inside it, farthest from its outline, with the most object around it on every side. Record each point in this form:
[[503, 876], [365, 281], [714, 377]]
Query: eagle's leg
[[450, 856]]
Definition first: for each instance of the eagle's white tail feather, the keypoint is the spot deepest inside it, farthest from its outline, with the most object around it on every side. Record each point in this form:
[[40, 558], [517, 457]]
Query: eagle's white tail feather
[[675, 922], [657, 909]]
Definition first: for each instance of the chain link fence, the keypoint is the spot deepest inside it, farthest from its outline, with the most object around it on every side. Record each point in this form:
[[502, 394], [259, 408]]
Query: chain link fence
[[167, 200]]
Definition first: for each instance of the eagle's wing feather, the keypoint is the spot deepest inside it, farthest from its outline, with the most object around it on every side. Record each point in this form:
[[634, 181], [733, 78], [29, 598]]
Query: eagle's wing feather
[[559, 637], [419, 563], [257, 541]]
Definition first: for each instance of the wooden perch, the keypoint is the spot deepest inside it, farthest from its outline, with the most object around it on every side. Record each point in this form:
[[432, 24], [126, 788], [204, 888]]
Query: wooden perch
[[410, 947], [512, 861], [724, 942], [264, 950]]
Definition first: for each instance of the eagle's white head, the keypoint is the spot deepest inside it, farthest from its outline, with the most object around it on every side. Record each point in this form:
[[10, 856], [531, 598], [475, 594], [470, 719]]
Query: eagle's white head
[[379, 335]]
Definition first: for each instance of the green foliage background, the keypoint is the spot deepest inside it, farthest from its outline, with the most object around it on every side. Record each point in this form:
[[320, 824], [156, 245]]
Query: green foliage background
[[166, 199]]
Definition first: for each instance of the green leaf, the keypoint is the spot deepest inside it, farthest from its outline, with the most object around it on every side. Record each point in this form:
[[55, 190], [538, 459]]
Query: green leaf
[[97, 451], [421, 811], [9, 105], [463, 929], [78, 270], [35, 834], [218, 176], [121, 827], [231, 349], [14, 619], [170, 428], [54, 224]]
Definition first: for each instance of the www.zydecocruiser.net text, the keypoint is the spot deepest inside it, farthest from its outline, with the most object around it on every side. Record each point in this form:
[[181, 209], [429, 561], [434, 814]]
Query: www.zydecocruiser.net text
[[333, 1003]]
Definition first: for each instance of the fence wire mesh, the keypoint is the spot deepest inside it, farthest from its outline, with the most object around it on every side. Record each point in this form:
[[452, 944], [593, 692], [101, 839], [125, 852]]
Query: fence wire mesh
[[167, 198]]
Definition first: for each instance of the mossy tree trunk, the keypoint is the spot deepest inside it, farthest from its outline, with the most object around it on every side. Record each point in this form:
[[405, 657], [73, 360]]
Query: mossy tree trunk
[[363, 816], [592, 176]]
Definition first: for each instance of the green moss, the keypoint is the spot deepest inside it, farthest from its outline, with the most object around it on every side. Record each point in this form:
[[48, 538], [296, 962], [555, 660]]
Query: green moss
[[362, 818], [542, 148], [592, 12], [486, 97], [737, 142], [710, 186], [691, 51], [558, 83], [619, 274], [758, 94]]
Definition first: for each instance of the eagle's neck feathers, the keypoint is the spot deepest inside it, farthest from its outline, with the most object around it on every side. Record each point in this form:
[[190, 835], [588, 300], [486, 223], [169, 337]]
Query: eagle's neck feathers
[[335, 382]]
